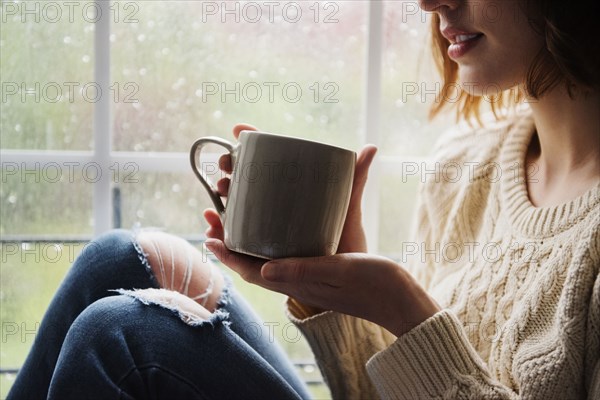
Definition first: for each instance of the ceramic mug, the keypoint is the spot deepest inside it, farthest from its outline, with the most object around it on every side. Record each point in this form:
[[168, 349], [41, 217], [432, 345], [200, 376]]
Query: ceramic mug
[[288, 197]]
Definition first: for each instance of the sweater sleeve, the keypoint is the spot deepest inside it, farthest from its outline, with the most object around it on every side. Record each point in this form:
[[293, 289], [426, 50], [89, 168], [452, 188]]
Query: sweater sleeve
[[592, 355], [342, 344], [434, 360]]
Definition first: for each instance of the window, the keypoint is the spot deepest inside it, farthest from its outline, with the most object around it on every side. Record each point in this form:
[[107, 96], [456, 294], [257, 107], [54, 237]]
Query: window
[[102, 100]]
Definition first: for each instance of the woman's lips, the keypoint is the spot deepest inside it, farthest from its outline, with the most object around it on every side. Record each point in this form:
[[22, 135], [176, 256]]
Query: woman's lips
[[462, 43]]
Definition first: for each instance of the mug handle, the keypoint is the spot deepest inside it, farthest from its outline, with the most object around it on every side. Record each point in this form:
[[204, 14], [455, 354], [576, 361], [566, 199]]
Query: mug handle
[[206, 182]]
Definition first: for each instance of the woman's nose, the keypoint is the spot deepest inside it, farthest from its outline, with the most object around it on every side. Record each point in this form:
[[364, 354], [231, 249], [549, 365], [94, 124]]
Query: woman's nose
[[438, 5]]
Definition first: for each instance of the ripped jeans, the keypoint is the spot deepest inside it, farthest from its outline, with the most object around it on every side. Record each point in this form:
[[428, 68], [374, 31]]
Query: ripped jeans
[[95, 343]]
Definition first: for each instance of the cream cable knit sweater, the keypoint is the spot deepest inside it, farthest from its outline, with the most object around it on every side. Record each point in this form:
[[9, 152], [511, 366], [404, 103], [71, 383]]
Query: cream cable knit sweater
[[520, 286]]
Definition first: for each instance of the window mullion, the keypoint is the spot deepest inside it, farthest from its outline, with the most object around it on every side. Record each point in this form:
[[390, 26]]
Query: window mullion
[[102, 122], [372, 113]]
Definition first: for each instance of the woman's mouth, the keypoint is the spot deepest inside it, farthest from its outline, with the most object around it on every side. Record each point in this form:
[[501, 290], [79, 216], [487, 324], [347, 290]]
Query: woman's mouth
[[461, 40], [462, 44]]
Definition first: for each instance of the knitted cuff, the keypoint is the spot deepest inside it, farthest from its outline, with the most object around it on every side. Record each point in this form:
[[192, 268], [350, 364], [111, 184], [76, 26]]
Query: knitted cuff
[[323, 332], [426, 361]]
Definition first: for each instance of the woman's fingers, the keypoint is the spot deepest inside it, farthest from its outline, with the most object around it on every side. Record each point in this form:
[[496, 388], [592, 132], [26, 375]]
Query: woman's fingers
[[327, 270], [246, 266], [363, 163], [212, 217], [223, 186], [242, 127], [215, 229], [353, 237], [225, 159], [225, 163], [249, 269]]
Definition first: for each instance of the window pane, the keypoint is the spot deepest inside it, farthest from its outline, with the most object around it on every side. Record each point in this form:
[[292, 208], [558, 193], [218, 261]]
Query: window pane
[[31, 272], [47, 199], [195, 69], [170, 201], [409, 82], [46, 64], [397, 209]]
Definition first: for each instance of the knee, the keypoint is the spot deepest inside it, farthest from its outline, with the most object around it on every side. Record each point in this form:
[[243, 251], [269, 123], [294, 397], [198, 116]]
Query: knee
[[114, 237], [114, 332], [106, 313], [113, 249], [103, 320], [121, 345], [115, 244], [178, 266], [136, 312]]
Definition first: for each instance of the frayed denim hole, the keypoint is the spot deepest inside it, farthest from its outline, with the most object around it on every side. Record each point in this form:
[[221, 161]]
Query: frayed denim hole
[[225, 296], [145, 296], [143, 257]]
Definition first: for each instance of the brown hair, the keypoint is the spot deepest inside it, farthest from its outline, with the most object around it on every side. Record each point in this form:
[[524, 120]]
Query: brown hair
[[571, 57]]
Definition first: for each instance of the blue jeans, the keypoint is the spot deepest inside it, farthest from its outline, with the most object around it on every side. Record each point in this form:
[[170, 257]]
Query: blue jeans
[[96, 344]]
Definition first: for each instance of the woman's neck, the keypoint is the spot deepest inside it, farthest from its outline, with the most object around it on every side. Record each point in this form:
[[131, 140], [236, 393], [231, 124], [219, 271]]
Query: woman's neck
[[564, 156]]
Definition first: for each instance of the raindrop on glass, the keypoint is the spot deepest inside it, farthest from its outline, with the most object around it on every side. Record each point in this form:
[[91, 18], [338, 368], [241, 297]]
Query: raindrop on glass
[[309, 369]]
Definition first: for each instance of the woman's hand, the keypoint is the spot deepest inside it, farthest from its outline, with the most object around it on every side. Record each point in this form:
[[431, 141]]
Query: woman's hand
[[365, 286]]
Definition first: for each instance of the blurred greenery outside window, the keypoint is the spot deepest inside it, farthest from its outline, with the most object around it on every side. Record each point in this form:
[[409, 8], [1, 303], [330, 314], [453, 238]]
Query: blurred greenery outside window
[[102, 100]]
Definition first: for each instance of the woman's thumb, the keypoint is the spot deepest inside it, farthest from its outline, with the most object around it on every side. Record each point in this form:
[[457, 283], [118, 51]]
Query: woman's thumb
[[363, 163]]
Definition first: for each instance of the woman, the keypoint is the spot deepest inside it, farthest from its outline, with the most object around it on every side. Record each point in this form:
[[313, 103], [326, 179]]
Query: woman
[[501, 300]]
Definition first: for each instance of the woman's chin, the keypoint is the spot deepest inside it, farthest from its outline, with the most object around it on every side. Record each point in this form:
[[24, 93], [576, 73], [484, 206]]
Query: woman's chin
[[477, 84]]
